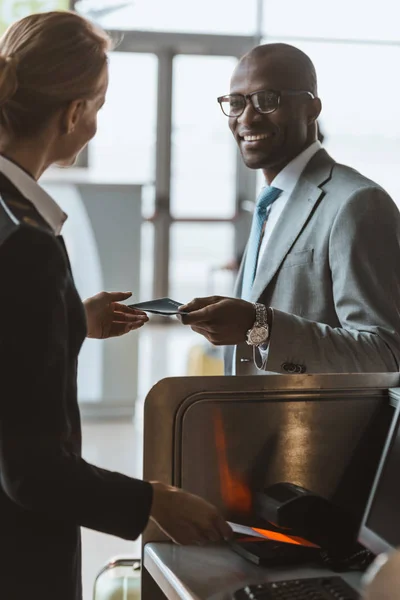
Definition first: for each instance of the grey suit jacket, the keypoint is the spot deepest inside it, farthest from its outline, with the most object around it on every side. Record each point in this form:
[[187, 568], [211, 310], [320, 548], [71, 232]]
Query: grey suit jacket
[[331, 274]]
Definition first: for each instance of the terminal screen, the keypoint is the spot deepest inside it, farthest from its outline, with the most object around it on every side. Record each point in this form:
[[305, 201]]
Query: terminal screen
[[383, 517]]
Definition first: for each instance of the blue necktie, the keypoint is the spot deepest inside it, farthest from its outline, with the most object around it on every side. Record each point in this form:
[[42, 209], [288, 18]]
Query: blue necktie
[[267, 196]]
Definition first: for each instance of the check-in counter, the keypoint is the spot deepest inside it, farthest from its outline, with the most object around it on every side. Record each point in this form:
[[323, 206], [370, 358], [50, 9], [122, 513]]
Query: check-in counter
[[225, 438]]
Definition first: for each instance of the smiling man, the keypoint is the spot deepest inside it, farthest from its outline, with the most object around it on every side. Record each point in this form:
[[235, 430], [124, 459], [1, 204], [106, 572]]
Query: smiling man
[[318, 289]]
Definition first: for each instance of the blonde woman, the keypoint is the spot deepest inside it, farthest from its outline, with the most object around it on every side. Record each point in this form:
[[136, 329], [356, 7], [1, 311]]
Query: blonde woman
[[53, 81]]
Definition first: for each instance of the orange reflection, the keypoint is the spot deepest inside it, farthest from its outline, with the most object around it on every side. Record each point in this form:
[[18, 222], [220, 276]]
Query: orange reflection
[[234, 491], [236, 494], [280, 537]]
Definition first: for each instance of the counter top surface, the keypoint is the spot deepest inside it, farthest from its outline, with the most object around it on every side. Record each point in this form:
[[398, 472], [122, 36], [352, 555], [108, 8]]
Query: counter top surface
[[214, 572]]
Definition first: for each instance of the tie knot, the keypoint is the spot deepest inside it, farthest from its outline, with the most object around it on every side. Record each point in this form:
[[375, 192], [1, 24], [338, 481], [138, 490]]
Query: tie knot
[[267, 196]]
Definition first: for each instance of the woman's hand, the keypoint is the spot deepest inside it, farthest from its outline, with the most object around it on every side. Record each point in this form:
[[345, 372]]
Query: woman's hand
[[106, 317], [186, 518]]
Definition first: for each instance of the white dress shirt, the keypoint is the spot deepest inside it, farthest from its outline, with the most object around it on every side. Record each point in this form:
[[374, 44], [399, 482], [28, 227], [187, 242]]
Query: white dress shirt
[[30, 189], [286, 181]]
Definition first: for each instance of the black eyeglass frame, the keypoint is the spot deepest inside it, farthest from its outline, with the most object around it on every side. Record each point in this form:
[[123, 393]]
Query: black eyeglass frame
[[249, 97]]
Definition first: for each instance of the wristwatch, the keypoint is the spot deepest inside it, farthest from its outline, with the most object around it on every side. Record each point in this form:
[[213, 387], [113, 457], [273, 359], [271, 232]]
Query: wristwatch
[[259, 333]]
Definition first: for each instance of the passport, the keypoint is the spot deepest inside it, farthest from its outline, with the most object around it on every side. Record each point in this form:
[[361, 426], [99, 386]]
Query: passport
[[161, 306]]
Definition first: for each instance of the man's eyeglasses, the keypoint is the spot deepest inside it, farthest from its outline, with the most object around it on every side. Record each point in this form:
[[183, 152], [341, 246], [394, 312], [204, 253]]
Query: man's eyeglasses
[[264, 102]]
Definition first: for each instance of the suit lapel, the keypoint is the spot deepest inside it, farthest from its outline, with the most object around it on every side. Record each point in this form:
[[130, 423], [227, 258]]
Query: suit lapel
[[239, 279], [293, 219], [60, 240]]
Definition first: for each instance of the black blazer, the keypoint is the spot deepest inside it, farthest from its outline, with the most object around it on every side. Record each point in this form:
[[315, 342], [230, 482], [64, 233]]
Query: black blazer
[[47, 491]]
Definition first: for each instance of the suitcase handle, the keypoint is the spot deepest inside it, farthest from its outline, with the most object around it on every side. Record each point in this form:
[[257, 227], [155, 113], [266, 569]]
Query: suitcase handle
[[121, 562]]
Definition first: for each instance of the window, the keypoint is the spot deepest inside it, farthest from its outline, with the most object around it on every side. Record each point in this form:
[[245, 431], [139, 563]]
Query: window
[[123, 148], [360, 107], [208, 16], [340, 19], [198, 250], [203, 174], [12, 10]]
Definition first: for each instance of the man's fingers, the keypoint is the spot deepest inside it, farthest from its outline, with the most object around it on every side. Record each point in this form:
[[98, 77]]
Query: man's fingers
[[200, 330], [197, 316], [198, 303]]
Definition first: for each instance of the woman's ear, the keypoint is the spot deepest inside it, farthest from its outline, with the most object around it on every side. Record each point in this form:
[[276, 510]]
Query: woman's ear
[[71, 115]]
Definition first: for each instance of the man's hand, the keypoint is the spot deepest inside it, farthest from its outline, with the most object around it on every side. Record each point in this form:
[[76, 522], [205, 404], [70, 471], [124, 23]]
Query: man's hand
[[106, 317], [223, 321], [185, 518]]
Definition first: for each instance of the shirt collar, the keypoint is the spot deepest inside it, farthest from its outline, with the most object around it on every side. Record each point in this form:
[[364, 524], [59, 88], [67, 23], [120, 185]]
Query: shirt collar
[[287, 179], [32, 191]]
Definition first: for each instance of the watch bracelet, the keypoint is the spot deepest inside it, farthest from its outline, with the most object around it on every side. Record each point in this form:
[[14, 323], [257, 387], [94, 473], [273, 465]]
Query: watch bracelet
[[261, 314]]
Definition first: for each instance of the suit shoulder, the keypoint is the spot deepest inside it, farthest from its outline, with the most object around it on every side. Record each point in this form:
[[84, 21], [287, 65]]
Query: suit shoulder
[[349, 189], [352, 180], [16, 213]]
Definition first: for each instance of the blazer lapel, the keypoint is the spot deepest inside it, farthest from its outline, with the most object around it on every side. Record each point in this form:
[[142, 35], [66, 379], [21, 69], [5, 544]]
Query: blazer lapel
[[237, 292], [60, 240], [293, 219]]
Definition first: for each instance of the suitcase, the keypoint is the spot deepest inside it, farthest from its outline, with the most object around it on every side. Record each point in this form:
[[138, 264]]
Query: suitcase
[[119, 579], [205, 359]]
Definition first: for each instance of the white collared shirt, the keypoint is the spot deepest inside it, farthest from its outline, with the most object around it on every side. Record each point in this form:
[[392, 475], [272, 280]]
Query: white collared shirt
[[286, 181], [32, 191]]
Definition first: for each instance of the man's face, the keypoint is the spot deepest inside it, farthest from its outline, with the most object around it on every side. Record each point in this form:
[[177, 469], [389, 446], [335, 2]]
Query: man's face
[[281, 135]]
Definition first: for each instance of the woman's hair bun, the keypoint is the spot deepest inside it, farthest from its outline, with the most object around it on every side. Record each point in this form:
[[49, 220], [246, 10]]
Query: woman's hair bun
[[8, 78]]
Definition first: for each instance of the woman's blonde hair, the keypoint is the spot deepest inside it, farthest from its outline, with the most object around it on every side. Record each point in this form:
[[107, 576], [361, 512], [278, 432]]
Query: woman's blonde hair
[[46, 61]]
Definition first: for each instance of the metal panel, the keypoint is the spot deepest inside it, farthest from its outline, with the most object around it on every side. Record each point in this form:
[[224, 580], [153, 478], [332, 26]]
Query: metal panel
[[227, 449], [163, 176], [321, 431], [175, 403]]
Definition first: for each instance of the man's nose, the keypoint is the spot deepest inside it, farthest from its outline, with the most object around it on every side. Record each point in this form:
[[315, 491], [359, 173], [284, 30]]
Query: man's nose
[[249, 115]]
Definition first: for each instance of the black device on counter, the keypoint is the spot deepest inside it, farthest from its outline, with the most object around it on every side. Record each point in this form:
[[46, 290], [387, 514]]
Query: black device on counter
[[303, 513], [272, 553], [314, 528], [379, 532]]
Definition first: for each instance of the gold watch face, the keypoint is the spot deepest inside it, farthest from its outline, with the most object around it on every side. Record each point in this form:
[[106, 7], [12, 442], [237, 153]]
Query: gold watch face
[[257, 336]]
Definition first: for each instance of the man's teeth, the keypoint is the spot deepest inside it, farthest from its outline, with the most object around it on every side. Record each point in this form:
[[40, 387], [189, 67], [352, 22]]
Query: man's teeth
[[255, 138]]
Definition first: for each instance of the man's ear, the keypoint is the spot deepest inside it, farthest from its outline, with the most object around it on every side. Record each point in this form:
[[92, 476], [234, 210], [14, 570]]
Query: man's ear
[[71, 115], [315, 107]]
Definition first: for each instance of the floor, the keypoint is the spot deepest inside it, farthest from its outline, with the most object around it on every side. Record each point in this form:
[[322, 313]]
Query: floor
[[117, 445]]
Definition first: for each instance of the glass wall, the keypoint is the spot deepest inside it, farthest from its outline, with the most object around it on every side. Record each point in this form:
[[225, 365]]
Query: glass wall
[[228, 16], [203, 156], [12, 10], [125, 141], [354, 20], [356, 50]]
